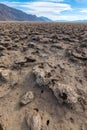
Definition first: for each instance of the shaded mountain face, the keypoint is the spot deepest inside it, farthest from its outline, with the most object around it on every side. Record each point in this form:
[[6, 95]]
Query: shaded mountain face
[[11, 14], [46, 19]]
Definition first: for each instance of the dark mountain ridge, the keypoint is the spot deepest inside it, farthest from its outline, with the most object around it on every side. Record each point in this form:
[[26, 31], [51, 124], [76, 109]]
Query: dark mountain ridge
[[11, 14]]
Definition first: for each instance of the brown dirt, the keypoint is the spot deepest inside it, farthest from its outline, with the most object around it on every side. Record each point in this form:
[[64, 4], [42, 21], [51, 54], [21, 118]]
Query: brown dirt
[[50, 60]]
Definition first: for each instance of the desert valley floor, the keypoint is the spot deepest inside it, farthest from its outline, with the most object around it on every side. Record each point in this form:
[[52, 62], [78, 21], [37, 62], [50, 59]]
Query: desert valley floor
[[43, 76]]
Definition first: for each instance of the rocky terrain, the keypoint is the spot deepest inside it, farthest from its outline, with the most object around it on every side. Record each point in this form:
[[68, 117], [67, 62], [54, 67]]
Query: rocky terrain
[[43, 76]]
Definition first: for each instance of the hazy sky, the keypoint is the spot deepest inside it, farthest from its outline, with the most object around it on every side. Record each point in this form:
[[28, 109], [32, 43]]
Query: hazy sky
[[53, 9]]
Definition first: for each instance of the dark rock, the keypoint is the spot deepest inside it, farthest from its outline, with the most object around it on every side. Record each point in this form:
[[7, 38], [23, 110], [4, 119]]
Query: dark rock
[[35, 38], [1, 127], [20, 62], [57, 46], [2, 79], [79, 56], [30, 59], [85, 74], [31, 45], [2, 48]]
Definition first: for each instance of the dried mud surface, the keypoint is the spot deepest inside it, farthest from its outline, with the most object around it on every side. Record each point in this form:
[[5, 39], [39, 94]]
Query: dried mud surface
[[43, 76]]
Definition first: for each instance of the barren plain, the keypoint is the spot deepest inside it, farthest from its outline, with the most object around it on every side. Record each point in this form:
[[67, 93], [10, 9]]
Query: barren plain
[[43, 76]]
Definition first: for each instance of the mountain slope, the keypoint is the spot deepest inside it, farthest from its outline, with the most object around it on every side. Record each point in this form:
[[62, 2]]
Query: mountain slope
[[46, 19], [83, 21], [11, 14]]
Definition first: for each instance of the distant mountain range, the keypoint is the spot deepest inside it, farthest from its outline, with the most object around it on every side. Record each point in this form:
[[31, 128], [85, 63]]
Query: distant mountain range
[[11, 14], [82, 21], [46, 19]]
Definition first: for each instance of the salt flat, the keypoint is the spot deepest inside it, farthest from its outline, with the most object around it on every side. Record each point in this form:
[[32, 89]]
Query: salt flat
[[43, 76]]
